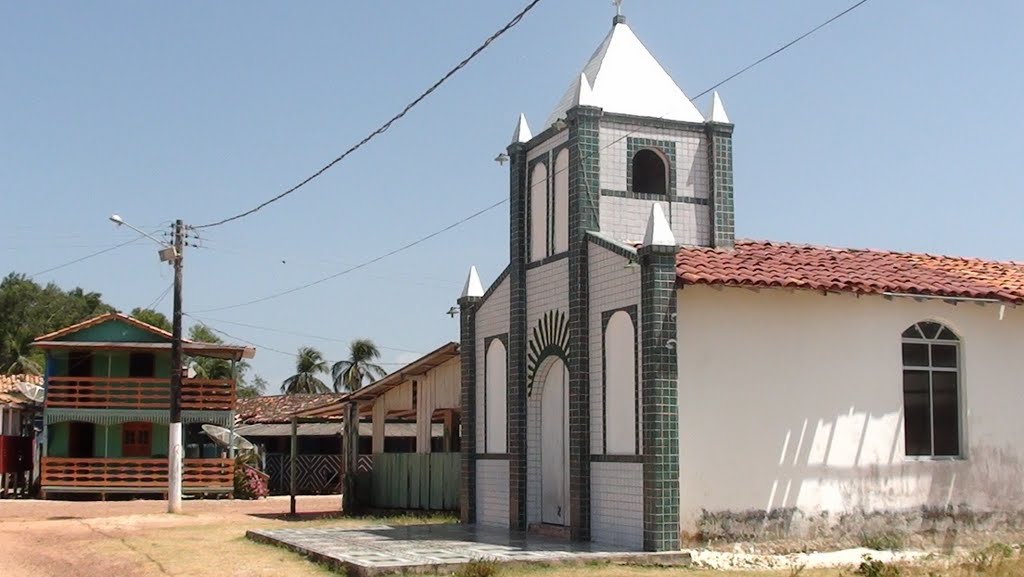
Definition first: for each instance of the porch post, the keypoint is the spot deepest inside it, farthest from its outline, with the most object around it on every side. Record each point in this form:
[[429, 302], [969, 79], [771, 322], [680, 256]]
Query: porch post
[[291, 465]]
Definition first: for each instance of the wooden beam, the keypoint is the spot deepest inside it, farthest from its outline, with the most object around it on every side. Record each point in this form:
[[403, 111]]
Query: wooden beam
[[295, 457]]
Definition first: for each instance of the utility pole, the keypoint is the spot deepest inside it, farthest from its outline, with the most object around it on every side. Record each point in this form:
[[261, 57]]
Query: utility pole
[[174, 452]]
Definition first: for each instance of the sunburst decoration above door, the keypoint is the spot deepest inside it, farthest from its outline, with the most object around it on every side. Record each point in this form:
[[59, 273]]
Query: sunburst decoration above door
[[550, 337]]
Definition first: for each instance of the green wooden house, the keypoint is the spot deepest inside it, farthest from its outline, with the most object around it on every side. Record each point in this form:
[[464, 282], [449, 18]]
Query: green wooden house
[[107, 409]]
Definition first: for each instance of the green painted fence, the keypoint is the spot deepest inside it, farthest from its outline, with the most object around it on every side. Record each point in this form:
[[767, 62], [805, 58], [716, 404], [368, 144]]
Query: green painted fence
[[415, 481]]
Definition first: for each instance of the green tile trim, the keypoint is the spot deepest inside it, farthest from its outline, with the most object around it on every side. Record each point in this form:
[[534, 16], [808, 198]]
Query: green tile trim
[[658, 197], [660, 398], [467, 401], [667, 148]]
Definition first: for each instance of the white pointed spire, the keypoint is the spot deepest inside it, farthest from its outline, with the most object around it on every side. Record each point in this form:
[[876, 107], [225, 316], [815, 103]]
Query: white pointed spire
[[473, 287], [659, 233], [522, 133], [626, 79], [716, 113], [584, 93]]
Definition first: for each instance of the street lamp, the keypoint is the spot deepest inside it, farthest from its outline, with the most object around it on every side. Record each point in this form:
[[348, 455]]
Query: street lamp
[[171, 253]]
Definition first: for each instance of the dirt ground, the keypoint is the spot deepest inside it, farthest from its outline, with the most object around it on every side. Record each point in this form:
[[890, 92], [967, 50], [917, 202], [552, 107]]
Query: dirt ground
[[138, 539]]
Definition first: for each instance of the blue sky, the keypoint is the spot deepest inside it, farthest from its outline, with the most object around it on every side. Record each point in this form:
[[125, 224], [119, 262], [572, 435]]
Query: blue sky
[[896, 127]]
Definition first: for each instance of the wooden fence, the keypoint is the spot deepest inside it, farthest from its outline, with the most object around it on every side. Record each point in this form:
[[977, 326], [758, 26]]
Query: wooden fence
[[142, 475], [427, 481], [138, 393]]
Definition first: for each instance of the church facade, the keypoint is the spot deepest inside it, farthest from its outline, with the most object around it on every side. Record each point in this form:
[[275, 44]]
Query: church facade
[[636, 376]]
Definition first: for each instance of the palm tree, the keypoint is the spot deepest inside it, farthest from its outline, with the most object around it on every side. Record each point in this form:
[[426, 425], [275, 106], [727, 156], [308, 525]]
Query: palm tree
[[350, 374], [308, 364]]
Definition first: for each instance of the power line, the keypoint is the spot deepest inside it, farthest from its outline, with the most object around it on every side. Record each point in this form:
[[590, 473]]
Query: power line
[[87, 257], [306, 335], [784, 47], [160, 298], [286, 260], [360, 265], [384, 127], [259, 346], [624, 136]]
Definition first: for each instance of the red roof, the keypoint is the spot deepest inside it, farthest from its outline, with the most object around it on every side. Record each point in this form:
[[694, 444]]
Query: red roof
[[771, 264], [280, 408]]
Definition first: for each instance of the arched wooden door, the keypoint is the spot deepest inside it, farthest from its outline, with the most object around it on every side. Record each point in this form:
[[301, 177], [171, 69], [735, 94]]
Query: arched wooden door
[[555, 445]]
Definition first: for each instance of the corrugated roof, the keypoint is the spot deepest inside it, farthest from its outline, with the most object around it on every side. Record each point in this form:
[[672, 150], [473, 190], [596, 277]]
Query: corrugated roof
[[771, 264]]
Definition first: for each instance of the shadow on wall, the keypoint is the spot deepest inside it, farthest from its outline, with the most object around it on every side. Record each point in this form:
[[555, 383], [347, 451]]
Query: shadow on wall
[[847, 475]]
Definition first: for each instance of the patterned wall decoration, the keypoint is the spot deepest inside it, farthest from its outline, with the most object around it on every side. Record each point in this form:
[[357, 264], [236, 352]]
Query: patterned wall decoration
[[549, 337], [316, 474]]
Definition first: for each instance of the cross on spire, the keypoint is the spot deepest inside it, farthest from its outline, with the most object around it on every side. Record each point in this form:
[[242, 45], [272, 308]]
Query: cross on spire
[[618, 7]]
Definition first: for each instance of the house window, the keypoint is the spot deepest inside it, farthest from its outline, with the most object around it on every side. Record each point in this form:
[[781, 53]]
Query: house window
[[650, 174], [931, 399], [142, 365]]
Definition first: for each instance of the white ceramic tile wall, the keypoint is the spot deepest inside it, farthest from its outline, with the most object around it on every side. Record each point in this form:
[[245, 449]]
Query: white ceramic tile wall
[[547, 145], [492, 493], [547, 289], [616, 504], [612, 286], [691, 157], [625, 219], [491, 320]]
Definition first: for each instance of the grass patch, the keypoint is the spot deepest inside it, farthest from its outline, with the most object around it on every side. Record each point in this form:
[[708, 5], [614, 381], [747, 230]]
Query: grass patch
[[479, 568]]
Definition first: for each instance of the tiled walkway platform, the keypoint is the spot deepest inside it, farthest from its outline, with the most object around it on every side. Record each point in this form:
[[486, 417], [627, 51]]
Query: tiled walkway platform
[[441, 548]]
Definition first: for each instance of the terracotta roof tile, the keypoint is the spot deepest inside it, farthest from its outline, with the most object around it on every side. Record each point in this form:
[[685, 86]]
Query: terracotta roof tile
[[9, 383], [770, 264], [279, 408]]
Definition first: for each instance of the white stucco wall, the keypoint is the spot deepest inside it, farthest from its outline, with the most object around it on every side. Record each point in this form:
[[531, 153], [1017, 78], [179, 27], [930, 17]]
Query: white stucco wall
[[793, 399]]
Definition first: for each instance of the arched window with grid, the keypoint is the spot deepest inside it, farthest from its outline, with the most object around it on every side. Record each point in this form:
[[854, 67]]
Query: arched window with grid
[[931, 390]]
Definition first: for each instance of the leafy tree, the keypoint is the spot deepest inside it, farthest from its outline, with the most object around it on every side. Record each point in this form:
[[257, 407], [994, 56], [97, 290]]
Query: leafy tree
[[210, 368], [254, 388], [308, 364], [354, 372], [151, 317], [28, 310]]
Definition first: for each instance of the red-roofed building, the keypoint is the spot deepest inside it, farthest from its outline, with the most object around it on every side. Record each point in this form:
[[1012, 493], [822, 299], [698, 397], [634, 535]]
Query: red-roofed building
[[637, 376]]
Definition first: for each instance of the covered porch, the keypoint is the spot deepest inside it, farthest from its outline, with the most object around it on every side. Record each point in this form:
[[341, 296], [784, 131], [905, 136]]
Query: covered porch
[[424, 396]]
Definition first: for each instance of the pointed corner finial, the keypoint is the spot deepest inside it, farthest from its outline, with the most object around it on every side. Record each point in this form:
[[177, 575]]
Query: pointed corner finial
[[717, 111], [584, 92], [658, 233], [473, 287], [522, 133]]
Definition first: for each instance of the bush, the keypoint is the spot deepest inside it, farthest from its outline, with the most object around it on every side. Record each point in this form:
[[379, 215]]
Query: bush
[[990, 557], [887, 541], [478, 569], [871, 567], [249, 482]]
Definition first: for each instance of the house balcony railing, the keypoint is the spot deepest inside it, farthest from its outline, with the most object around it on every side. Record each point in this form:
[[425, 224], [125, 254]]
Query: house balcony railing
[[138, 393], [134, 475]]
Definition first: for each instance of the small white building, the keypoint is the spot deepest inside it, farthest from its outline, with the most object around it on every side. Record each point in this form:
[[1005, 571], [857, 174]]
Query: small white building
[[637, 376]]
